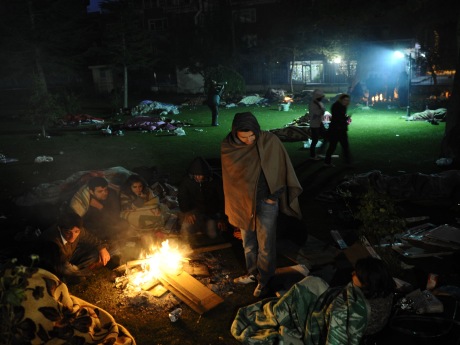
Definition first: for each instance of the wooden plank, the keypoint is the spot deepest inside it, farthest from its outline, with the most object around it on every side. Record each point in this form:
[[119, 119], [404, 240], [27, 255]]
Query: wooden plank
[[147, 286], [158, 291], [196, 269], [191, 291], [211, 248]]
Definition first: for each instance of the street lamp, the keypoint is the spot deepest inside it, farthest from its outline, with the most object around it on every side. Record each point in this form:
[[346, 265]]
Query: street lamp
[[400, 55]]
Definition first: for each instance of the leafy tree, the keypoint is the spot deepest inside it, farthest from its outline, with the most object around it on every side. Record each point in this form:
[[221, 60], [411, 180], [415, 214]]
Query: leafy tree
[[41, 38], [127, 44], [450, 145], [43, 106]]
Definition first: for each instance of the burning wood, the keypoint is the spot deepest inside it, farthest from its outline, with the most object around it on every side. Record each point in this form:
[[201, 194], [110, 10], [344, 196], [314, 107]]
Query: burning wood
[[165, 265]]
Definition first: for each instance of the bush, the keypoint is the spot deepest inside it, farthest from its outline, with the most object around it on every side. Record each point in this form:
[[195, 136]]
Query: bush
[[236, 86], [378, 216]]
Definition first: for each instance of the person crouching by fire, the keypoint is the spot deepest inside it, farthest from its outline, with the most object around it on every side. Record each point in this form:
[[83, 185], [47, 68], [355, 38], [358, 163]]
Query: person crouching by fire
[[259, 180], [78, 249], [201, 201]]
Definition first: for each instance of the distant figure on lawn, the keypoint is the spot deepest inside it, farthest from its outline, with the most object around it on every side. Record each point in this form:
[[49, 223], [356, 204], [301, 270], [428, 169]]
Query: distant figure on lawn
[[99, 207], [215, 92], [140, 206], [78, 249], [338, 130], [201, 200], [258, 181], [316, 112]]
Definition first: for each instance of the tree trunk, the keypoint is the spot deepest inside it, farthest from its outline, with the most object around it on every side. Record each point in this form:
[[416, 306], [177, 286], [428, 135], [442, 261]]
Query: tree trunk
[[291, 72], [37, 53], [450, 145], [125, 91]]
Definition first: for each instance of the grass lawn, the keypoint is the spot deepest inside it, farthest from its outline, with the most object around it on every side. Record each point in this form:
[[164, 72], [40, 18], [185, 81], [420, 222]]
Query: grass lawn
[[379, 140]]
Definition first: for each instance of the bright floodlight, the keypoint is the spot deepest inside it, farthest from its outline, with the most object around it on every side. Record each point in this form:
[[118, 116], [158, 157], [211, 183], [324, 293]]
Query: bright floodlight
[[398, 55], [337, 59]]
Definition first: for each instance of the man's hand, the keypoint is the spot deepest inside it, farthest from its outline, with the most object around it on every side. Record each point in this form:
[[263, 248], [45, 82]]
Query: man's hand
[[190, 218], [270, 201], [104, 256], [237, 234], [93, 202], [222, 225]]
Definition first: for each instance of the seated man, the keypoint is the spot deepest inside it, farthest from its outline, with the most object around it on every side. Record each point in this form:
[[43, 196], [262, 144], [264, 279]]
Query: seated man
[[99, 207], [78, 248], [201, 200]]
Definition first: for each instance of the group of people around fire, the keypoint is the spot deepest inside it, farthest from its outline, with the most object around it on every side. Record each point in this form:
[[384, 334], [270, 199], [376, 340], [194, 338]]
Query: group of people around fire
[[258, 181]]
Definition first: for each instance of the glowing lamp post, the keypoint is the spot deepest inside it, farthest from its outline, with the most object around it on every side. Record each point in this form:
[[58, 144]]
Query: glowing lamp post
[[399, 55]]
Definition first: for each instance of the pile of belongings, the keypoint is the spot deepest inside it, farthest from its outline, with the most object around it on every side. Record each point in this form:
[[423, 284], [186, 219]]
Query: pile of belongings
[[79, 119], [431, 116], [148, 107], [413, 186], [253, 100], [299, 129], [151, 123]]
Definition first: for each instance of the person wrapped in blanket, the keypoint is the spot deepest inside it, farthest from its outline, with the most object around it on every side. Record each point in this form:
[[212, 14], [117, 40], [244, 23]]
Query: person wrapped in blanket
[[313, 313], [98, 205], [140, 206], [39, 309]]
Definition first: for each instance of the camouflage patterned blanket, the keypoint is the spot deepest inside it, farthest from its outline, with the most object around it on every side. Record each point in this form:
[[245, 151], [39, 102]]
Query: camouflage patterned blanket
[[308, 314]]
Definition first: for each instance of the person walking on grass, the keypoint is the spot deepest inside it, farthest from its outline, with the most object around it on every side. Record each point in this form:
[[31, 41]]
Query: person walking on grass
[[258, 180], [316, 112], [338, 130]]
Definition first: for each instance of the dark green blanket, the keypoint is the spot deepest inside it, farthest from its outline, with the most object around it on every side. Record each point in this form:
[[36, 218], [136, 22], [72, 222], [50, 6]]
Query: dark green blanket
[[308, 314]]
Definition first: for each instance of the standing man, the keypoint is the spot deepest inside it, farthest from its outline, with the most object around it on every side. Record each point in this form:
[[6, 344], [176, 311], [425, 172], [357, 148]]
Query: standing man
[[338, 130], [214, 94], [258, 180], [316, 112]]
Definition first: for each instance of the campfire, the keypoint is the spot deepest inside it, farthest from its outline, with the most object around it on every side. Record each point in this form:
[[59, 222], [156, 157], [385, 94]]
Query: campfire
[[165, 259], [164, 268]]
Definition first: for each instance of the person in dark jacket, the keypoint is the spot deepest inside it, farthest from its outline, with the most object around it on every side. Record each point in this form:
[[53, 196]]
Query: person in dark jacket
[[215, 92], [201, 200], [78, 248], [99, 207], [338, 130]]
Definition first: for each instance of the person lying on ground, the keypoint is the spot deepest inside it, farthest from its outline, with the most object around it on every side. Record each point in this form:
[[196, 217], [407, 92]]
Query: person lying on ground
[[312, 313], [140, 206], [201, 200], [99, 207], [78, 249]]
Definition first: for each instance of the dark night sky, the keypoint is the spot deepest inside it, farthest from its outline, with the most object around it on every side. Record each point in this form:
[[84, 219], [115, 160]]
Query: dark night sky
[[93, 6]]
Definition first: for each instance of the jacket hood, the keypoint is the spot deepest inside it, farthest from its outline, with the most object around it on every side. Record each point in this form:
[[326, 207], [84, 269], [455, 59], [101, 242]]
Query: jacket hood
[[318, 94], [199, 166], [245, 122]]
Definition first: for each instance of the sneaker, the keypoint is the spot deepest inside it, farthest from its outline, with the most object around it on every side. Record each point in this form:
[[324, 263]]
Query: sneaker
[[260, 291], [316, 158], [246, 279], [329, 165]]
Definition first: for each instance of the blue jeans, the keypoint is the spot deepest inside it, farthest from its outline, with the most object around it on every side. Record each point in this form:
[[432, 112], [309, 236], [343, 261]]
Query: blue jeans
[[260, 243]]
